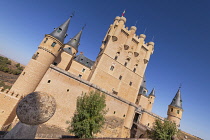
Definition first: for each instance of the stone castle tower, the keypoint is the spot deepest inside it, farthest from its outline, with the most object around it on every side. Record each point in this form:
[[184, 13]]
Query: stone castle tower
[[48, 50], [118, 72], [175, 109]]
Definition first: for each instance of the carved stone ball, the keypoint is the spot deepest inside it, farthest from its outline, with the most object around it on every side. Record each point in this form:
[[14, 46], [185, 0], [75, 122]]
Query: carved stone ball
[[36, 108]]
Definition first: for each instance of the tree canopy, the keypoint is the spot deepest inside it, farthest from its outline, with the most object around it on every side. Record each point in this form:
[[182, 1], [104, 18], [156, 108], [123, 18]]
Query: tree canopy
[[163, 130], [89, 116]]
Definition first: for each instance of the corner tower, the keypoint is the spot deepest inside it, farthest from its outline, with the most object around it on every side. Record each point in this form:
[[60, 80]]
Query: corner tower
[[175, 109], [47, 51]]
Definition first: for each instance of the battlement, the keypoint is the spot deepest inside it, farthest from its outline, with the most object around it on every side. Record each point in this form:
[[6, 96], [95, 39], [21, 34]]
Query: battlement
[[9, 94], [119, 26]]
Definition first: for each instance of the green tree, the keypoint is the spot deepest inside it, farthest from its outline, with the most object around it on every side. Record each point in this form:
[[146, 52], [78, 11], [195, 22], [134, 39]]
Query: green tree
[[163, 130], [89, 116]]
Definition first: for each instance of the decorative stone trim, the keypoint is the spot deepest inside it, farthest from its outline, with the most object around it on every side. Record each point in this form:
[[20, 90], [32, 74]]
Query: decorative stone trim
[[46, 50]]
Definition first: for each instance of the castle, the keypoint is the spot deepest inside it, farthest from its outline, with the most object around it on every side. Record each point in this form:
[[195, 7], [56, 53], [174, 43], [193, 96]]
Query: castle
[[117, 72]]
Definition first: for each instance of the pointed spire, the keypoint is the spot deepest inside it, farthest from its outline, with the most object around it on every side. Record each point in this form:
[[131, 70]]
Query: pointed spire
[[152, 92], [61, 32], [177, 100], [75, 41]]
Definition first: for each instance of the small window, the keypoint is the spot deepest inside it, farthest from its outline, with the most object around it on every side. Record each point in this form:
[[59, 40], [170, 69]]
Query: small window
[[48, 81], [120, 77], [150, 102], [134, 70], [80, 75], [130, 83], [125, 64], [81, 59], [148, 124], [59, 30], [83, 70], [112, 68], [172, 109], [67, 90], [114, 112], [69, 48], [45, 40], [115, 57], [124, 115], [55, 63], [87, 62], [53, 44], [177, 111]]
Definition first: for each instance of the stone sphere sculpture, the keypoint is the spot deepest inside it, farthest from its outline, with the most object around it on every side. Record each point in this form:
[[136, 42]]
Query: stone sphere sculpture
[[36, 108]]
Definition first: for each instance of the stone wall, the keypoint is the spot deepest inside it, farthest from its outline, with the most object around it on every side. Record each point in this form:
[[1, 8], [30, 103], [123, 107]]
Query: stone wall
[[66, 87]]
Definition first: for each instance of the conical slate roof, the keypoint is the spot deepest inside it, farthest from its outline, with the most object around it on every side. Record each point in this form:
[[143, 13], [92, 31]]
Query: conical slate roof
[[143, 86], [60, 32], [177, 100], [152, 92], [74, 42]]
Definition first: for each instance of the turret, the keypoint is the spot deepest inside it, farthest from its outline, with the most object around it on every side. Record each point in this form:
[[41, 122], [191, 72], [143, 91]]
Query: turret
[[148, 54], [151, 99], [73, 44], [60, 32], [141, 42], [48, 50], [175, 109], [129, 39], [120, 25]]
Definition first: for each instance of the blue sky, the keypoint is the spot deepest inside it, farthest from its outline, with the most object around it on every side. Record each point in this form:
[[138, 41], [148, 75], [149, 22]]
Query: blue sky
[[181, 31]]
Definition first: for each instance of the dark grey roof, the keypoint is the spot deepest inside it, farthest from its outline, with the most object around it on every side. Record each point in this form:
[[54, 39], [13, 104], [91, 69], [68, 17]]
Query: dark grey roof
[[74, 42], [60, 32], [84, 60], [152, 92], [143, 86], [68, 50], [177, 100]]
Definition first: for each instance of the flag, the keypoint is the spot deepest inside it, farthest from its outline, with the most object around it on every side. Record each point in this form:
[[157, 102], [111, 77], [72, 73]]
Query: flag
[[123, 13]]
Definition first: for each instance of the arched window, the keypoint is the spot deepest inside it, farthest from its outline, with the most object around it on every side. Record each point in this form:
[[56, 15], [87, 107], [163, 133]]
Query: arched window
[[59, 30], [45, 40], [134, 70], [172, 109], [112, 68], [118, 53], [177, 111], [53, 44]]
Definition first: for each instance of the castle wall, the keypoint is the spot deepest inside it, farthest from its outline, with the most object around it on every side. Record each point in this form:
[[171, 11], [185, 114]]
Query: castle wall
[[148, 118], [66, 87], [8, 102], [79, 69]]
